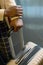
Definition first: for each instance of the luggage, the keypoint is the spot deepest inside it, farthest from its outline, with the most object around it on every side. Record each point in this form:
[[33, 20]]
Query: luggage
[[26, 56]]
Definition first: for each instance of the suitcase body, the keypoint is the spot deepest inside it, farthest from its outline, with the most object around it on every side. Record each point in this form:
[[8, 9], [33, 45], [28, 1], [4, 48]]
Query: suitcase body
[[32, 55]]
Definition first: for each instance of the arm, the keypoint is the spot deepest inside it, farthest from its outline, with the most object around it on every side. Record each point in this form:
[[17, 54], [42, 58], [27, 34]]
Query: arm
[[7, 4], [11, 6], [14, 11]]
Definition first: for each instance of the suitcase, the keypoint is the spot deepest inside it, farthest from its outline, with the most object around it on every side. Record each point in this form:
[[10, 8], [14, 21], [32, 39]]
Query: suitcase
[[32, 55]]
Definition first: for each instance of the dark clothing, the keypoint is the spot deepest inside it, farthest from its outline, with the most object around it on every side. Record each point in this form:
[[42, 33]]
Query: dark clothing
[[5, 53]]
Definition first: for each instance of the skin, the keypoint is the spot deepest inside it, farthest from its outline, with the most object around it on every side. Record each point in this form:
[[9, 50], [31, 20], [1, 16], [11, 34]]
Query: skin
[[15, 11], [12, 62]]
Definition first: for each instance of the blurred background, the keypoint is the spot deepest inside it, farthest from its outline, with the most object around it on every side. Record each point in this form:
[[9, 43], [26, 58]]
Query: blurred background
[[33, 22]]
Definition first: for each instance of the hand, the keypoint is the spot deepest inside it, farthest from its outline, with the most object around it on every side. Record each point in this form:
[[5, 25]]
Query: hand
[[14, 11], [16, 24], [12, 62]]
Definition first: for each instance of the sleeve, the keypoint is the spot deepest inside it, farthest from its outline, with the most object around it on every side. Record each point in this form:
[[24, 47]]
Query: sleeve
[[1, 14], [9, 3]]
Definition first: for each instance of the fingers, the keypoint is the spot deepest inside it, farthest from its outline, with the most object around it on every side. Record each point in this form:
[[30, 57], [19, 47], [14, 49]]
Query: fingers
[[20, 13], [19, 10], [17, 28], [14, 11]]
